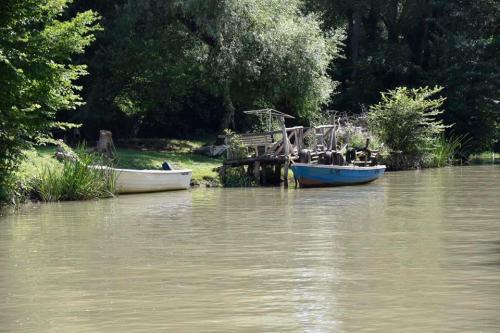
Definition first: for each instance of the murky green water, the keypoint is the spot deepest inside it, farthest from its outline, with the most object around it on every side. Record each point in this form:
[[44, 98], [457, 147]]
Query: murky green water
[[413, 252]]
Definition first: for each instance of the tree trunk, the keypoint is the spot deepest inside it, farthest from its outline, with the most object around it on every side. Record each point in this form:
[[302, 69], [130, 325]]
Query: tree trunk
[[105, 144], [229, 110], [390, 20], [355, 26]]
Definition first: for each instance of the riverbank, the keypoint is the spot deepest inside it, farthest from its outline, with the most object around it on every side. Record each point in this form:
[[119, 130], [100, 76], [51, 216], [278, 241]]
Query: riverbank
[[177, 152], [40, 170], [150, 155], [180, 155]]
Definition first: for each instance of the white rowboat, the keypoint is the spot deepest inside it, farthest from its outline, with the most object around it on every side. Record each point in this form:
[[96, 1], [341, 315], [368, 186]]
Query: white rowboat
[[138, 181]]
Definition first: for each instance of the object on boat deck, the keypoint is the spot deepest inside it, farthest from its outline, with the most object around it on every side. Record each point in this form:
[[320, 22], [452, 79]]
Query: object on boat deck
[[166, 166], [310, 175]]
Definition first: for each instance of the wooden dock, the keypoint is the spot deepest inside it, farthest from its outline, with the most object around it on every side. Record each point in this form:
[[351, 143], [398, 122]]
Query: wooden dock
[[268, 155]]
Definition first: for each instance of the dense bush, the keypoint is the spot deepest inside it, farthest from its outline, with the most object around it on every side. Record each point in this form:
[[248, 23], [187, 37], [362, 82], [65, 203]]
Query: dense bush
[[236, 177], [406, 119], [36, 74]]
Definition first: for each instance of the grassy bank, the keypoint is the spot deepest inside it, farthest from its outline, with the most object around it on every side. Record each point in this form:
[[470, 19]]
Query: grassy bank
[[41, 177], [180, 155], [485, 158], [202, 166]]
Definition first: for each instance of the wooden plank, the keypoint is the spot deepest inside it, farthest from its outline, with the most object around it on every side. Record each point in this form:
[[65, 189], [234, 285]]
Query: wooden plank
[[266, 159], [287, 150]]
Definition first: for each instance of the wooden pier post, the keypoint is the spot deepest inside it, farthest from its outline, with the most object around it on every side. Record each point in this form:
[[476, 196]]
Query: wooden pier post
[[263, 176], [256, 171], [277, 174], [287, 152]]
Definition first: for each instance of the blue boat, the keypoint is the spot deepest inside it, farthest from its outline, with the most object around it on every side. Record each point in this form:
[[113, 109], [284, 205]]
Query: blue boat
[[311, 175]]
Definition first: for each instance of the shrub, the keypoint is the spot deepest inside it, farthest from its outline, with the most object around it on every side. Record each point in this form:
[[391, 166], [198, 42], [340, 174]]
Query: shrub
[[405, 120], [236, 149], [74, 180], [236, 177], [37, 79]]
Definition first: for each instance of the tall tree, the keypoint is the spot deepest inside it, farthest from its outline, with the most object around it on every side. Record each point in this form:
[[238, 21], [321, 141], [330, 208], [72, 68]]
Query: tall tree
[[164, 56], [36, 72]]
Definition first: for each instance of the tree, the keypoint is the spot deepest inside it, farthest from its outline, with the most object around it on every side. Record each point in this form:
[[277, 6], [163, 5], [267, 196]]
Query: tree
[[413, 43], [181, 65], [267, 52], [36, 72], [465, 59]]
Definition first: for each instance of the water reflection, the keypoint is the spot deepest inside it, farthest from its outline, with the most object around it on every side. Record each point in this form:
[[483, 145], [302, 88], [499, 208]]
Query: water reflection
[[415, 251]]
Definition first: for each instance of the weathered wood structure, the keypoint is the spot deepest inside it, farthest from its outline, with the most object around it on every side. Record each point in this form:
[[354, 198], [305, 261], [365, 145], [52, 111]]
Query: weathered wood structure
[[266, 150], [267, 153]]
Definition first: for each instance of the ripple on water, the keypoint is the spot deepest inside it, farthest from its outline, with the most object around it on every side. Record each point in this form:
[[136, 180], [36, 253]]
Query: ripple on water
[[415, 251]]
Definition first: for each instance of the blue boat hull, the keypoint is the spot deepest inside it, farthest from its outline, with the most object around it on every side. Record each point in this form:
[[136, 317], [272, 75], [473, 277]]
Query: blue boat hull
[[309, 175]]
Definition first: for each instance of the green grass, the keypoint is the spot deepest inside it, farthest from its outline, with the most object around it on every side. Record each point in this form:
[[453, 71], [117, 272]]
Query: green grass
[[179, 154], [445, 149], [485, 157], [42, 177], [30, 168], [202, 166]]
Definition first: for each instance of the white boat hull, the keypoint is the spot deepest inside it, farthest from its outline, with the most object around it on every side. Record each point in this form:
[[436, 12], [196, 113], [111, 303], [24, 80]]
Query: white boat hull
[[139, 181]]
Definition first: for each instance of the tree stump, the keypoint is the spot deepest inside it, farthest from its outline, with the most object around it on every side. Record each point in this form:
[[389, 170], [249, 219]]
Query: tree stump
[[105, 144]]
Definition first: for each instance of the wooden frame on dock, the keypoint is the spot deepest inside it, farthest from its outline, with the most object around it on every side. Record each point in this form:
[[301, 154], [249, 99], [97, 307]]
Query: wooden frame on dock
[[280, 148], [269, 149]]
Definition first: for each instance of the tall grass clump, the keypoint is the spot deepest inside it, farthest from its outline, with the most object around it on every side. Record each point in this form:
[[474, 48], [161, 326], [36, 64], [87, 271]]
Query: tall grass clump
[[446, 148], [75, 179]]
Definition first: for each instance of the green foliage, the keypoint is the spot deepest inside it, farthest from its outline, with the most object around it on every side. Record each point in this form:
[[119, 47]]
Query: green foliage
[[237, 177], [406, 119], [445, 149], [236, 149], [74, 180], [185, 65], [36, 73], [454, 44]]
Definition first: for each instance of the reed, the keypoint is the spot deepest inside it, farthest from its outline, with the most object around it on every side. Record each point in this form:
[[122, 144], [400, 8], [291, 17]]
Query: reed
[[74, 180], [446, 148]]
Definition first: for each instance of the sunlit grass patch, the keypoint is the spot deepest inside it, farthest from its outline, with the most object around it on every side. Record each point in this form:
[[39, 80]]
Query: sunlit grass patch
[[202, 166]]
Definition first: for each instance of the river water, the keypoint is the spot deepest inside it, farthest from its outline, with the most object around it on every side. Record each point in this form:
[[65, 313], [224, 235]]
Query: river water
[[416, 251]]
